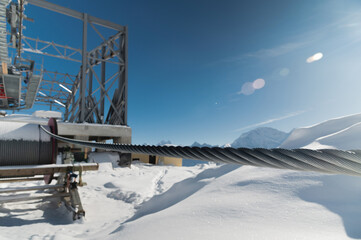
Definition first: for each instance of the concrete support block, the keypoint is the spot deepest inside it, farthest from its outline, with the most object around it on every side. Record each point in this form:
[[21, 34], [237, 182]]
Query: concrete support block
[[125, 159], [123, 140]]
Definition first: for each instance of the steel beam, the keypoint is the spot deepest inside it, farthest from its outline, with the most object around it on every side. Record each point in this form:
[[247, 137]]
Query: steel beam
[[126, 76], [83, 68], [75, 14], [103, 84], [19, 171]]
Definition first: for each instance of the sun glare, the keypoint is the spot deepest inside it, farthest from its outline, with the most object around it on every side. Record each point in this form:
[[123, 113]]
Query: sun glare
[[248, 88], [258, 83], [315, 57]]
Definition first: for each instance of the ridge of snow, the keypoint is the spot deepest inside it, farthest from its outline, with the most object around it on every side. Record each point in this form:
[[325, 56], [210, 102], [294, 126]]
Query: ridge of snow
[[345, 139], [305, 136]]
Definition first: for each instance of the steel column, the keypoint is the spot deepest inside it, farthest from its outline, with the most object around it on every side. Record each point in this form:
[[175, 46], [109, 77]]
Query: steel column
[[83, 68], [126, 76], [102, 92]]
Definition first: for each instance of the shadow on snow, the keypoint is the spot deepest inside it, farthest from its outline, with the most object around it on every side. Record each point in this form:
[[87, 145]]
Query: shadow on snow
[[178, 192], [341, 195], [52, 214]]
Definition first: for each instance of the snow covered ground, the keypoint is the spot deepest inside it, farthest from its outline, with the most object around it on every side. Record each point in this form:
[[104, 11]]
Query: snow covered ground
[[205, 201]]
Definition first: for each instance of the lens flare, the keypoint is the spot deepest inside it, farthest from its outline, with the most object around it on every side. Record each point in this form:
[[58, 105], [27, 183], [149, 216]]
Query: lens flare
[[284, 72], [315, 57], [258, 83], [247, 88]]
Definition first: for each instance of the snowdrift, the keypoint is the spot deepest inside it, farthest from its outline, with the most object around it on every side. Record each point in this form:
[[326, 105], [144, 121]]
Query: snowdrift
[[339, 133]]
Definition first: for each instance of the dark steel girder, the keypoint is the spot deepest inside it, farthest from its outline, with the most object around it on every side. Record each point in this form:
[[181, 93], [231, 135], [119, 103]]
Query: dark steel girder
[[75, 14]]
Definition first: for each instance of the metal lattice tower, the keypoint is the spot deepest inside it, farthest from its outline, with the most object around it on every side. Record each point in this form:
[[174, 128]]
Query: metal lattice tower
[[97, 92]]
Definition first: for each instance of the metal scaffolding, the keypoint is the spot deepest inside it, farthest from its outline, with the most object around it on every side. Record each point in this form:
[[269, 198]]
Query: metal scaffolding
[[97, 93]]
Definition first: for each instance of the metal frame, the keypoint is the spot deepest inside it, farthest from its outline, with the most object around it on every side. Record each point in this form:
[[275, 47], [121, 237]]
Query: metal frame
[[52, 49], [66, 187], [51, 89], [98, 92]]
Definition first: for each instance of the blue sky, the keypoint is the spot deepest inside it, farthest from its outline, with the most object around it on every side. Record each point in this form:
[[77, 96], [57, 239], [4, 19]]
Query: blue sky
[[188, 61]]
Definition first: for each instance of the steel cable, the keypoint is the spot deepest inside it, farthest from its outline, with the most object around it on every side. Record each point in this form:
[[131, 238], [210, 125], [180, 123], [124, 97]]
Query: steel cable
[[325, 160]]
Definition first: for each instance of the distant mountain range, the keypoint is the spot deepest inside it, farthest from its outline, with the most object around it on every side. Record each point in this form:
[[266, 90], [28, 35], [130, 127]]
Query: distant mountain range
[[164, 143], [263, 137], [197, 144], [339, 133]]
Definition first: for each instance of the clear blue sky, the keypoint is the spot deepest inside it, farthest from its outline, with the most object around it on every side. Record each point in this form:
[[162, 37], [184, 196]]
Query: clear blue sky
[[188, 61]]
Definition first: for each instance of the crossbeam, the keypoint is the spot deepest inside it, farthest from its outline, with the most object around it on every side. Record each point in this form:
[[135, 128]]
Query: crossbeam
[[75, 14], [47, 169], [21, 198], [34, 188]]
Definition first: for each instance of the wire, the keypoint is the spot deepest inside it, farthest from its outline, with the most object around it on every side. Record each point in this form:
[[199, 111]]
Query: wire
[[325, 160]]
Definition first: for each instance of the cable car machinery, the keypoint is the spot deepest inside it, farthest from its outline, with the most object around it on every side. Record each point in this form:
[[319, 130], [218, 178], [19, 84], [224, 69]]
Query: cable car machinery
[[82, 97]]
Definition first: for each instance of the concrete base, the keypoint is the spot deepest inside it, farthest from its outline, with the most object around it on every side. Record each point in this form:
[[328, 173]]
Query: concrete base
[[119, 134], [83, 131]]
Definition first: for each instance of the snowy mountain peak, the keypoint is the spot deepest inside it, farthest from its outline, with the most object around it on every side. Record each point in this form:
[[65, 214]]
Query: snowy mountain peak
[[164, 143], [197, 144], [263, 137]]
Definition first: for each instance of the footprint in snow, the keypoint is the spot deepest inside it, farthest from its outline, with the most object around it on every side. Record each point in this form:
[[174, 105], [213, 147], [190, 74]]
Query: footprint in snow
[[109, 185]]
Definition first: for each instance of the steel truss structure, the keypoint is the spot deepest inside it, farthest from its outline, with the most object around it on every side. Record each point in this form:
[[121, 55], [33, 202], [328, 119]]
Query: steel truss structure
[[88, 95]]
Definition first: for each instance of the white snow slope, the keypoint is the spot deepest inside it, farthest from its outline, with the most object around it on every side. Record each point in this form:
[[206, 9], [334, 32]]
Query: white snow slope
[[340, 133], [206, 201]]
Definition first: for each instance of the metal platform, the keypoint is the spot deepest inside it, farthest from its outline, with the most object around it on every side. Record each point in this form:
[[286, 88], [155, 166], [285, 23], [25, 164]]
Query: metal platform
[[32, 91]]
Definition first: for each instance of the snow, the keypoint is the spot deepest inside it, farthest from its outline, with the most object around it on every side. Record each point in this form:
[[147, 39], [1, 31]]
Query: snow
[[197, 144], [25, 118], [47, 114], [203, 201], [22, 131], [206, 201], [100, 157], [339, 133], [263, 137]]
